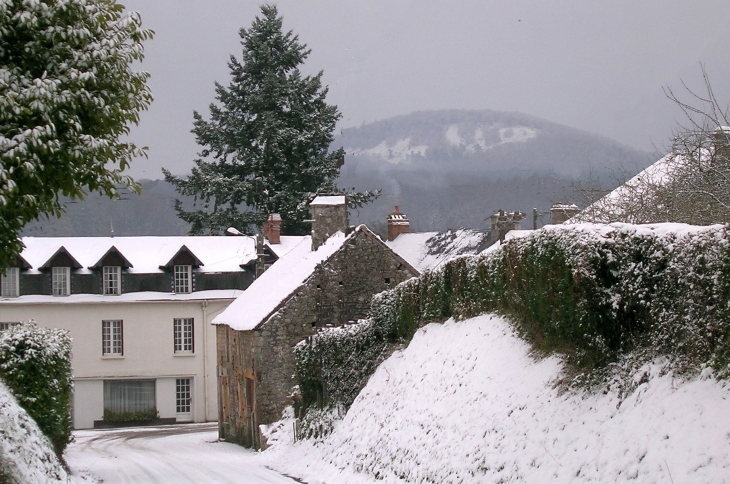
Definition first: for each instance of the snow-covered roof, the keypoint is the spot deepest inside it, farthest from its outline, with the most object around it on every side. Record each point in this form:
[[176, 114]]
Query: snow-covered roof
[[628, 198], [275, 285], [412, 247], [329, 200], [428, 250], [147, 254], [147, 296]]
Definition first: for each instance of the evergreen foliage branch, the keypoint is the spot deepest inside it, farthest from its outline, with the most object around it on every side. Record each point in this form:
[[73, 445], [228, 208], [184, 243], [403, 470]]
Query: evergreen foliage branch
[[266, 143], [67, 94]]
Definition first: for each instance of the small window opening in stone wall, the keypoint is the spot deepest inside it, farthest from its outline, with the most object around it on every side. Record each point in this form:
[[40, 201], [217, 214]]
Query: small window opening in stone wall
[[314, 324], [319, 286], [387, 280], [340, 283], [399, 266]]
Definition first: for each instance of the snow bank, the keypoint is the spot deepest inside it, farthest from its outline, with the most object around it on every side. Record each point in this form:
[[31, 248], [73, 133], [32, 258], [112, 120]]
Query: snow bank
[[465, 402], [25, 453]]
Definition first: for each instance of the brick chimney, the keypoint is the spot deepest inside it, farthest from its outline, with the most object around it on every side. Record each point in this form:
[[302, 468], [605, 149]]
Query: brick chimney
[[329, 215], [397, 224], [272, 228]]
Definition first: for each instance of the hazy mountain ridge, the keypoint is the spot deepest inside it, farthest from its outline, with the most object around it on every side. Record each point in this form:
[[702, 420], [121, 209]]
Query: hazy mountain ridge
[[482, 141], [445, 169], [450, 169]]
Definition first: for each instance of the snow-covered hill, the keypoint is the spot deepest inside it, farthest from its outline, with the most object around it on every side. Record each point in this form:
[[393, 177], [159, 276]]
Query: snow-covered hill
[[26, 455], [480, 142], [467, 403]]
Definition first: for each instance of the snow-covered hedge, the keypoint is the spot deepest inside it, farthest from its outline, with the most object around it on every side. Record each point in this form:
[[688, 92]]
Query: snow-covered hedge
[[26, 455], [334, 365], [36, 364], [591, 292]]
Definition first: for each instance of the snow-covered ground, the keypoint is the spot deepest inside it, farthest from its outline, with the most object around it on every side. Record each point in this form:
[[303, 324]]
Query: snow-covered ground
[[25, 453], [466, 403], [176, 454]]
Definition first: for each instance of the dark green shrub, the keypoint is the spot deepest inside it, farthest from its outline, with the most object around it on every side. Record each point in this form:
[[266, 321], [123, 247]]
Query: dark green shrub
[[121, 417], [35, 363]]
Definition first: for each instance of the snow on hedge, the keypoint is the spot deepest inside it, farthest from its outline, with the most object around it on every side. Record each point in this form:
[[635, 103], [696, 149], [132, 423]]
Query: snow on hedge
[[26, 455], [35, 363], [466, 402], [610, 298]]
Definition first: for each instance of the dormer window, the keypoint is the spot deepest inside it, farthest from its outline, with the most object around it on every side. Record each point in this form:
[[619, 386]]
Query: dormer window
[[61, 281], [112, 280], [10, 282], [183, 279]]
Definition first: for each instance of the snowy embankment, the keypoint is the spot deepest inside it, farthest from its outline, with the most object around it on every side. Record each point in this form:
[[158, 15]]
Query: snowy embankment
[[466, 402], [26, 455]]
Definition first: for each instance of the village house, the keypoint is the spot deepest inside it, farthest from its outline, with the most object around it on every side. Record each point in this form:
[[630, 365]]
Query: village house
[[138, 310], [327, 279]]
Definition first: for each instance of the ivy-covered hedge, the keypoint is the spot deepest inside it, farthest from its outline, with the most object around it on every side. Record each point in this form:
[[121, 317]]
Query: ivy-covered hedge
[[335, 364], [35, 363], [593, 293]]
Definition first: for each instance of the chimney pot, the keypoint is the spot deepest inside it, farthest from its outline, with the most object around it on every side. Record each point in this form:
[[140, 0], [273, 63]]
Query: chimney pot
[[398, 224], [272, 228]]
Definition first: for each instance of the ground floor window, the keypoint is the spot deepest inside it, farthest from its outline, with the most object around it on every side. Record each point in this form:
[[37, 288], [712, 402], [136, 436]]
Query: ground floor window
[[182, 395], [4, 326], [129, 399]]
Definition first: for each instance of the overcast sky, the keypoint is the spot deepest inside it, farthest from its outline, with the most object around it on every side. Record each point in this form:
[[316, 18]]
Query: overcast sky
[[594, 65]]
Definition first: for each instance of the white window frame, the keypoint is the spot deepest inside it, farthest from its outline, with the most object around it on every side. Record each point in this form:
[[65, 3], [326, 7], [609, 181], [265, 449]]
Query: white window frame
[[111, 277], [183, 279], [112, 337], [60, 281], [183, 396], [11, 282], [184, 335], [7, 325]]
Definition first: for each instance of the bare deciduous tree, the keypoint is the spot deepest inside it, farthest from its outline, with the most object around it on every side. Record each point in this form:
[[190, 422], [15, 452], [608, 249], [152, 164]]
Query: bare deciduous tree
[[691, 184]]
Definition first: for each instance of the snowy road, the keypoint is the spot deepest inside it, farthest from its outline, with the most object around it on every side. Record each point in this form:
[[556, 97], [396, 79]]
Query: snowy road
[[171, 454]]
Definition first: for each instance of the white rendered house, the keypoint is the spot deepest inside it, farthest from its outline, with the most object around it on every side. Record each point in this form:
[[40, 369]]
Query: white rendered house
[[138, 310]]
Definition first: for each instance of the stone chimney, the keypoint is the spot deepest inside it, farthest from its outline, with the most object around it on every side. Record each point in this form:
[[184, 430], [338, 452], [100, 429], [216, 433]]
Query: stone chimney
[[721, 140], [561, 212], [397, 224], [329, 215], [272, 228], [503, 222]]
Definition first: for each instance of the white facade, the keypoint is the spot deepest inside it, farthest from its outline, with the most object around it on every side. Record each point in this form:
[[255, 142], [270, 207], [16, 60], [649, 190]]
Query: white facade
[[148, 346]]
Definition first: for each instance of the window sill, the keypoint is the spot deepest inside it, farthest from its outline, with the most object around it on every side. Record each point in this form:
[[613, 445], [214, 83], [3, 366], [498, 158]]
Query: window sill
[[180, 353], [112, 357]]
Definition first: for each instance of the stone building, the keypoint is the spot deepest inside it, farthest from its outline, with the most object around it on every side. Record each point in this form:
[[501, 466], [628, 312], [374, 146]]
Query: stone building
[[324, 281]]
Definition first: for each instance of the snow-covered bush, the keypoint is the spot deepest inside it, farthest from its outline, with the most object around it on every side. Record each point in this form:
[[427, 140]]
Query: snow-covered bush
[[598, 294], [36, 364], [26, 455]]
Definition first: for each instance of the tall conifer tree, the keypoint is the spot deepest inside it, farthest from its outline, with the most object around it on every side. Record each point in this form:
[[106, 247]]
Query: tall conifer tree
[[266, 145]]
